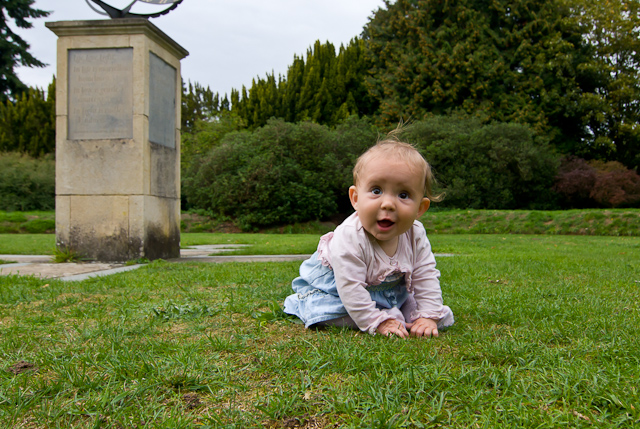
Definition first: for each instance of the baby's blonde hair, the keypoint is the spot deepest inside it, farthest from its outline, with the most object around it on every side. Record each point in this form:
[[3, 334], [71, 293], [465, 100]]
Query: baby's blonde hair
[[391, 148]]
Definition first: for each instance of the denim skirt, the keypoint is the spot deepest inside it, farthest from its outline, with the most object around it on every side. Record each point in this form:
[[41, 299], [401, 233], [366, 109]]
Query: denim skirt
[[315, 298]]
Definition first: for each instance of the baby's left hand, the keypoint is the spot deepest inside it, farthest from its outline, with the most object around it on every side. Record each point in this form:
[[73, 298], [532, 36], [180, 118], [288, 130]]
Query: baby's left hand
[[423, 328]]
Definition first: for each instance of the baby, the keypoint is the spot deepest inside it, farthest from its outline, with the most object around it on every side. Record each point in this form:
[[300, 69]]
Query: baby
[[376, 271]]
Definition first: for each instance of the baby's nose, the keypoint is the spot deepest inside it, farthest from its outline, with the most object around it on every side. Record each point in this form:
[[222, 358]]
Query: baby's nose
[[387, 203]]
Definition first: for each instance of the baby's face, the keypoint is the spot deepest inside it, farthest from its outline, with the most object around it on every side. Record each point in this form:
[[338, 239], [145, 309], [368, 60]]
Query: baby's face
[[388, 197]]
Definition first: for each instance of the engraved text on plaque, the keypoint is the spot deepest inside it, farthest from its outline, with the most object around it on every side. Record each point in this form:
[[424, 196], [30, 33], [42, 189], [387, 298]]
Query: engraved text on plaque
[[100, 94], [162, 102]]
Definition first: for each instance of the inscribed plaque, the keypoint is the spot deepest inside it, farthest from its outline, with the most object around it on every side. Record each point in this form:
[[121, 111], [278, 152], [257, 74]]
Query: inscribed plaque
[[100, 94], [162, 102]]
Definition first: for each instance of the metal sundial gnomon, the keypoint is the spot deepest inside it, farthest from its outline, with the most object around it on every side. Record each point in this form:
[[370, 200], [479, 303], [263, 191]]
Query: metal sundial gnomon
[[115, 13]]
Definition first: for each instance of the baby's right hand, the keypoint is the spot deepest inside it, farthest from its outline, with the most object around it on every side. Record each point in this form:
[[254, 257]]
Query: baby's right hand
[[392, 327]]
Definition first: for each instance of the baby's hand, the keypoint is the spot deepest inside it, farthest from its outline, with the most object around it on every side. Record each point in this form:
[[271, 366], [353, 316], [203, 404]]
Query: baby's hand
[[423, 328], [392, 327]]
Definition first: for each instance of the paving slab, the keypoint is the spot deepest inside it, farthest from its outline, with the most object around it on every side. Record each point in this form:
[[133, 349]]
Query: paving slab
[[30, 259], [54, 271]]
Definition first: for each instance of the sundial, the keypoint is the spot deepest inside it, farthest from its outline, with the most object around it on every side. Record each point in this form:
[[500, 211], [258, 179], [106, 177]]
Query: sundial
[[120, 11]]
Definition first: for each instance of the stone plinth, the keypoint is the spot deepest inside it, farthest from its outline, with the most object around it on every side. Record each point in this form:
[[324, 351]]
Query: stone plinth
[[118, 94]]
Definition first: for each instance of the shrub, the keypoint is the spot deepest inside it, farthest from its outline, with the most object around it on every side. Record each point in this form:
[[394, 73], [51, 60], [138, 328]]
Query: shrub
[[26, 183], [495, 166], [280, 173], [199, 140], [597, 183], [285, 173], [575, 181], [39, 226]]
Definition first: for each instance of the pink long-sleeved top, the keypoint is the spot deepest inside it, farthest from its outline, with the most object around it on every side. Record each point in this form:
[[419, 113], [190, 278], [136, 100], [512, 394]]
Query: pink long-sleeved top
[[358, 261]]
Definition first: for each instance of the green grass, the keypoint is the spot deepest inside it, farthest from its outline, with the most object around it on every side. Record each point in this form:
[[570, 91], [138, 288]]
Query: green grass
[[546, 336], [283, 241], [27, 244], [34, 222], [615, 222]]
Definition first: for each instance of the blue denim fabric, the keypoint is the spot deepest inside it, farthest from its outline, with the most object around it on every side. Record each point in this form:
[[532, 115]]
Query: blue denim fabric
[[316, 295]]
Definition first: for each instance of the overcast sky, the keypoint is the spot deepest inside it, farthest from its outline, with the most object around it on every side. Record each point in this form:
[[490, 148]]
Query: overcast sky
[[230, 42]]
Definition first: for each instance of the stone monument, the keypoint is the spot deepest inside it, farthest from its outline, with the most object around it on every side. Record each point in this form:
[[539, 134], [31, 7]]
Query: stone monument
[[118, 95]]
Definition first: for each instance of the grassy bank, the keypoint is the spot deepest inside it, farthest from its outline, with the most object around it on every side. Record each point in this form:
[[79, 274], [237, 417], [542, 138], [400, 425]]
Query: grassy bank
[[36, 222], [546, 336], [614, 222]]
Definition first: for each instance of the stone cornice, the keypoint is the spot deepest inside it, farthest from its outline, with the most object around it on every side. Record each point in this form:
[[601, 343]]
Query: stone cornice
[[109, 27]]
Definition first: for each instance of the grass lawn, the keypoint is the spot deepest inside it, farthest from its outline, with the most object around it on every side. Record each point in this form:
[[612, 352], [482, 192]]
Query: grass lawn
[[27, 244], [546, 336]]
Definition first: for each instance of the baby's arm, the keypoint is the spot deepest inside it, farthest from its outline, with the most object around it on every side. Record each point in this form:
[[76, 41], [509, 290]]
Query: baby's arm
[[425, 281], [362, 309]]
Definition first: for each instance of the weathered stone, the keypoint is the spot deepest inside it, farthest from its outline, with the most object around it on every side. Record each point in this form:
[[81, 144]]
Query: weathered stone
[[117, 140]]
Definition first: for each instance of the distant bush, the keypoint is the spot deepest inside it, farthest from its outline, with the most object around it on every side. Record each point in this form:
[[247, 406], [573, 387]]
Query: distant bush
[[26, 183], [280, 173], [575, 181], [39, 226], [285, 173], [597, 184], [32, 222], [494, 166]]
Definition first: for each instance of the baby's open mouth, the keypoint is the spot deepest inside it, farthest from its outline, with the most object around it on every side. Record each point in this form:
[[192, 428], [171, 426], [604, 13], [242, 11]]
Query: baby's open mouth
[[385, 223]]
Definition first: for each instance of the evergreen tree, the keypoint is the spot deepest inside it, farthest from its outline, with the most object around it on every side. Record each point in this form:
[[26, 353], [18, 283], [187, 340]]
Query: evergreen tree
[[511, 61], [198, 103], [326, 89], [28, 125], [13, 49], [612, 29]]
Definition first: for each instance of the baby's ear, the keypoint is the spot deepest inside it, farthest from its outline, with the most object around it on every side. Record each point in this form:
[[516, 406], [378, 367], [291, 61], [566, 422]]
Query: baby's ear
[[353, 196], [424, 206]]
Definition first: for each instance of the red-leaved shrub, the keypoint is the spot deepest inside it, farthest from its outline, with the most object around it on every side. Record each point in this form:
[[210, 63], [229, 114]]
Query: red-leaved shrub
[[597, 183], [575, 181], [617, 188]]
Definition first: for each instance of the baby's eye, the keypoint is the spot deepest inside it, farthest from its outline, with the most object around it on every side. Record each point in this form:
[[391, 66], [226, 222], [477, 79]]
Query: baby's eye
[[403, 195], [376, 191]]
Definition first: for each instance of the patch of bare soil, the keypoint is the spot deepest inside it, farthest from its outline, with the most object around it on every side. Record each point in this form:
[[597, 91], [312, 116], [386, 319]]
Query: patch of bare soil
[[304, 422], [191, 401], [20, 367]]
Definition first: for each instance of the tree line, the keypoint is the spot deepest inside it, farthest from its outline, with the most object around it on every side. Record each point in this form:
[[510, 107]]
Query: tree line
[[567, 68], [553, 79]]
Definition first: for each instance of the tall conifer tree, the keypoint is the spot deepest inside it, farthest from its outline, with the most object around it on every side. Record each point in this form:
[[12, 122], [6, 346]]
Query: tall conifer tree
[[506, 60], [326, 88], [14, 50], [28, 125]]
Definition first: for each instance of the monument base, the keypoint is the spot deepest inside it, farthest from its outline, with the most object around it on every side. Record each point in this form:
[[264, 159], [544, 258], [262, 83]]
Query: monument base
[[118, 228]]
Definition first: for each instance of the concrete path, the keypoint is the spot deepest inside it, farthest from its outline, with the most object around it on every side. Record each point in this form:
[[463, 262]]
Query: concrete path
[[42, 265]]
